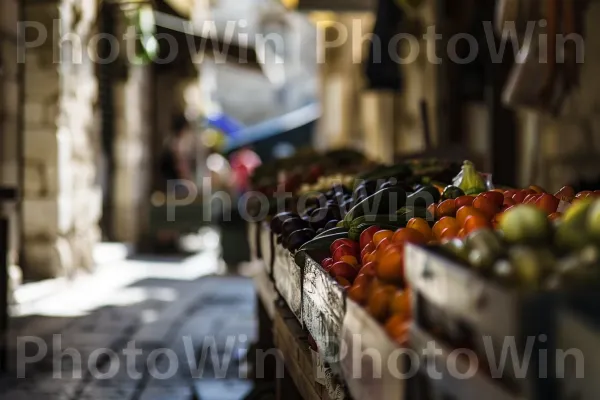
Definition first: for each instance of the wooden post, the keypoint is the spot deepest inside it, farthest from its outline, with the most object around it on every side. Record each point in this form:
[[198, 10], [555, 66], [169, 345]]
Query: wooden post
[[4, 248]]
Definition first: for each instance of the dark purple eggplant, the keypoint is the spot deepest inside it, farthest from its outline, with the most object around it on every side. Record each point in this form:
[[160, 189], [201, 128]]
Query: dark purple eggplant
[[320, 217], [279, 219], [292, 225], [331, 224], [298, 238]]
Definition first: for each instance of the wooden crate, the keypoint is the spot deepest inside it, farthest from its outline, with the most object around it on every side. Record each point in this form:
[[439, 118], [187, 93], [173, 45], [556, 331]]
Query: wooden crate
[[288, 279], [363, 335], [323, 309]]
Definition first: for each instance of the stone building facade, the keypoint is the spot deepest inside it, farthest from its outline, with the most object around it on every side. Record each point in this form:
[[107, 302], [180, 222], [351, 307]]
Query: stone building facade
[[62, 201]]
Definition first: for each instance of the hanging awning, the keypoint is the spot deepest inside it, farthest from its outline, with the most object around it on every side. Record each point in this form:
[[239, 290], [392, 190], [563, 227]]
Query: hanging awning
[[213, 45]]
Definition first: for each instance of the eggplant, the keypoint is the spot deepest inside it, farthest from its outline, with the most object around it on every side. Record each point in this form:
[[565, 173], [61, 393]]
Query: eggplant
[[279, 219], [320, 217], [331, 224], [292, 225], [423, 197], [299, 238]]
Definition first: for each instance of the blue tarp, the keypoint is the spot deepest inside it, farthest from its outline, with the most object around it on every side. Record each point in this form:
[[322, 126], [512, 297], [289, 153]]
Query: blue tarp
[[273, 127]]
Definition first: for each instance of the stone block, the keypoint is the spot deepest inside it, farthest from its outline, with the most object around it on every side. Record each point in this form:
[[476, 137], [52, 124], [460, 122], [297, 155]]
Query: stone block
[[46, 258], [47, 217]]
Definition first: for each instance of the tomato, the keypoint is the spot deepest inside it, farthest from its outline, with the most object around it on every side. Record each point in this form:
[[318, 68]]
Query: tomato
[[495, 197], [486, 206], [420, 225], [390, 264], [450, 232], [443, 224], [369, 248], [548, 203], [408, 235], [519, 196], [380, 235], [566, 193], [383, 244], [464, 201], [367, 236], [584, 195], [508, 202], [446, 208], [476, 222], [510, 192], [464, 212]]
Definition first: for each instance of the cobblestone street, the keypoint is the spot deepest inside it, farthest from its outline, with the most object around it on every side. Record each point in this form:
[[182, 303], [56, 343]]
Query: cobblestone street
[[196, 318]]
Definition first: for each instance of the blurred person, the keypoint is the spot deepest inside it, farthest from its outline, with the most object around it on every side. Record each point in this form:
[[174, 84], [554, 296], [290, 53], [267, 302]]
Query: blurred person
[[178, 158], [243, 164]]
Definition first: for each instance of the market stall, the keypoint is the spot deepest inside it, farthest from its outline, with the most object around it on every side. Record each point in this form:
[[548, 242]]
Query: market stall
[[413, 280]]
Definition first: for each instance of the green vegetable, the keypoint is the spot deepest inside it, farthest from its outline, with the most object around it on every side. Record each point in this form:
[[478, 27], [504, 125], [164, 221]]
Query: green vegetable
[[415, 212], [323, 242], [384, 202], [423, 197], [471, 182], [332, 231], [452, 192]]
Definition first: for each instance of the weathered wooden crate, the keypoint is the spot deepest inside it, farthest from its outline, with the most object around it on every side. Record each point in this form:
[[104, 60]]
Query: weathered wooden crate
[[267, 246], [288, 279], [373, 363], [323, 309]]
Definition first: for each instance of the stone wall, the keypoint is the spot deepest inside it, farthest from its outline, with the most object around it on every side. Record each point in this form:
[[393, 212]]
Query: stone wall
[[9, 113], [62, 203], [134, 122]]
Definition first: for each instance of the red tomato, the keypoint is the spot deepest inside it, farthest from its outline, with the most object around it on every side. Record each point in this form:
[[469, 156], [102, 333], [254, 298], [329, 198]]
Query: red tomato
[[486, 206], [519, 196], [548, 203], [366, 236], [495, 197], [508, 202], [463, 201]]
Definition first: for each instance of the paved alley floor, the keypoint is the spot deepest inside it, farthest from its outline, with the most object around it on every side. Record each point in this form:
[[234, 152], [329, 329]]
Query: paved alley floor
[[145, 329]]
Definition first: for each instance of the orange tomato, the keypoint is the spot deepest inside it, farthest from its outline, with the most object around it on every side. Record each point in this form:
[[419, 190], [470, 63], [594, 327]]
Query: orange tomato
[[476, 222], [397, 327], [461, 234], [443, 224], [496, 198], [464, 201], [584, 195], [379, 302], [380, 235], [446, 208], [450, 233], [486, 206], [402, 303], [350, 260], [368, 269], [390, 264], [371, 257], [368, 249], [420, 225], [464, 212], [343, 282], [385, 242], [408, 235], [363, 279], [359, 293]]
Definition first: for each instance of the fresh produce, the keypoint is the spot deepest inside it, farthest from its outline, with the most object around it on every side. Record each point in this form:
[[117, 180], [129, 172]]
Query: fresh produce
[[469, 180]]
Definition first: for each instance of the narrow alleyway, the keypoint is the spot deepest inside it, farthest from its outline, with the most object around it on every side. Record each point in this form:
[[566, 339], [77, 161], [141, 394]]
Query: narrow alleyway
[[80, 331]]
